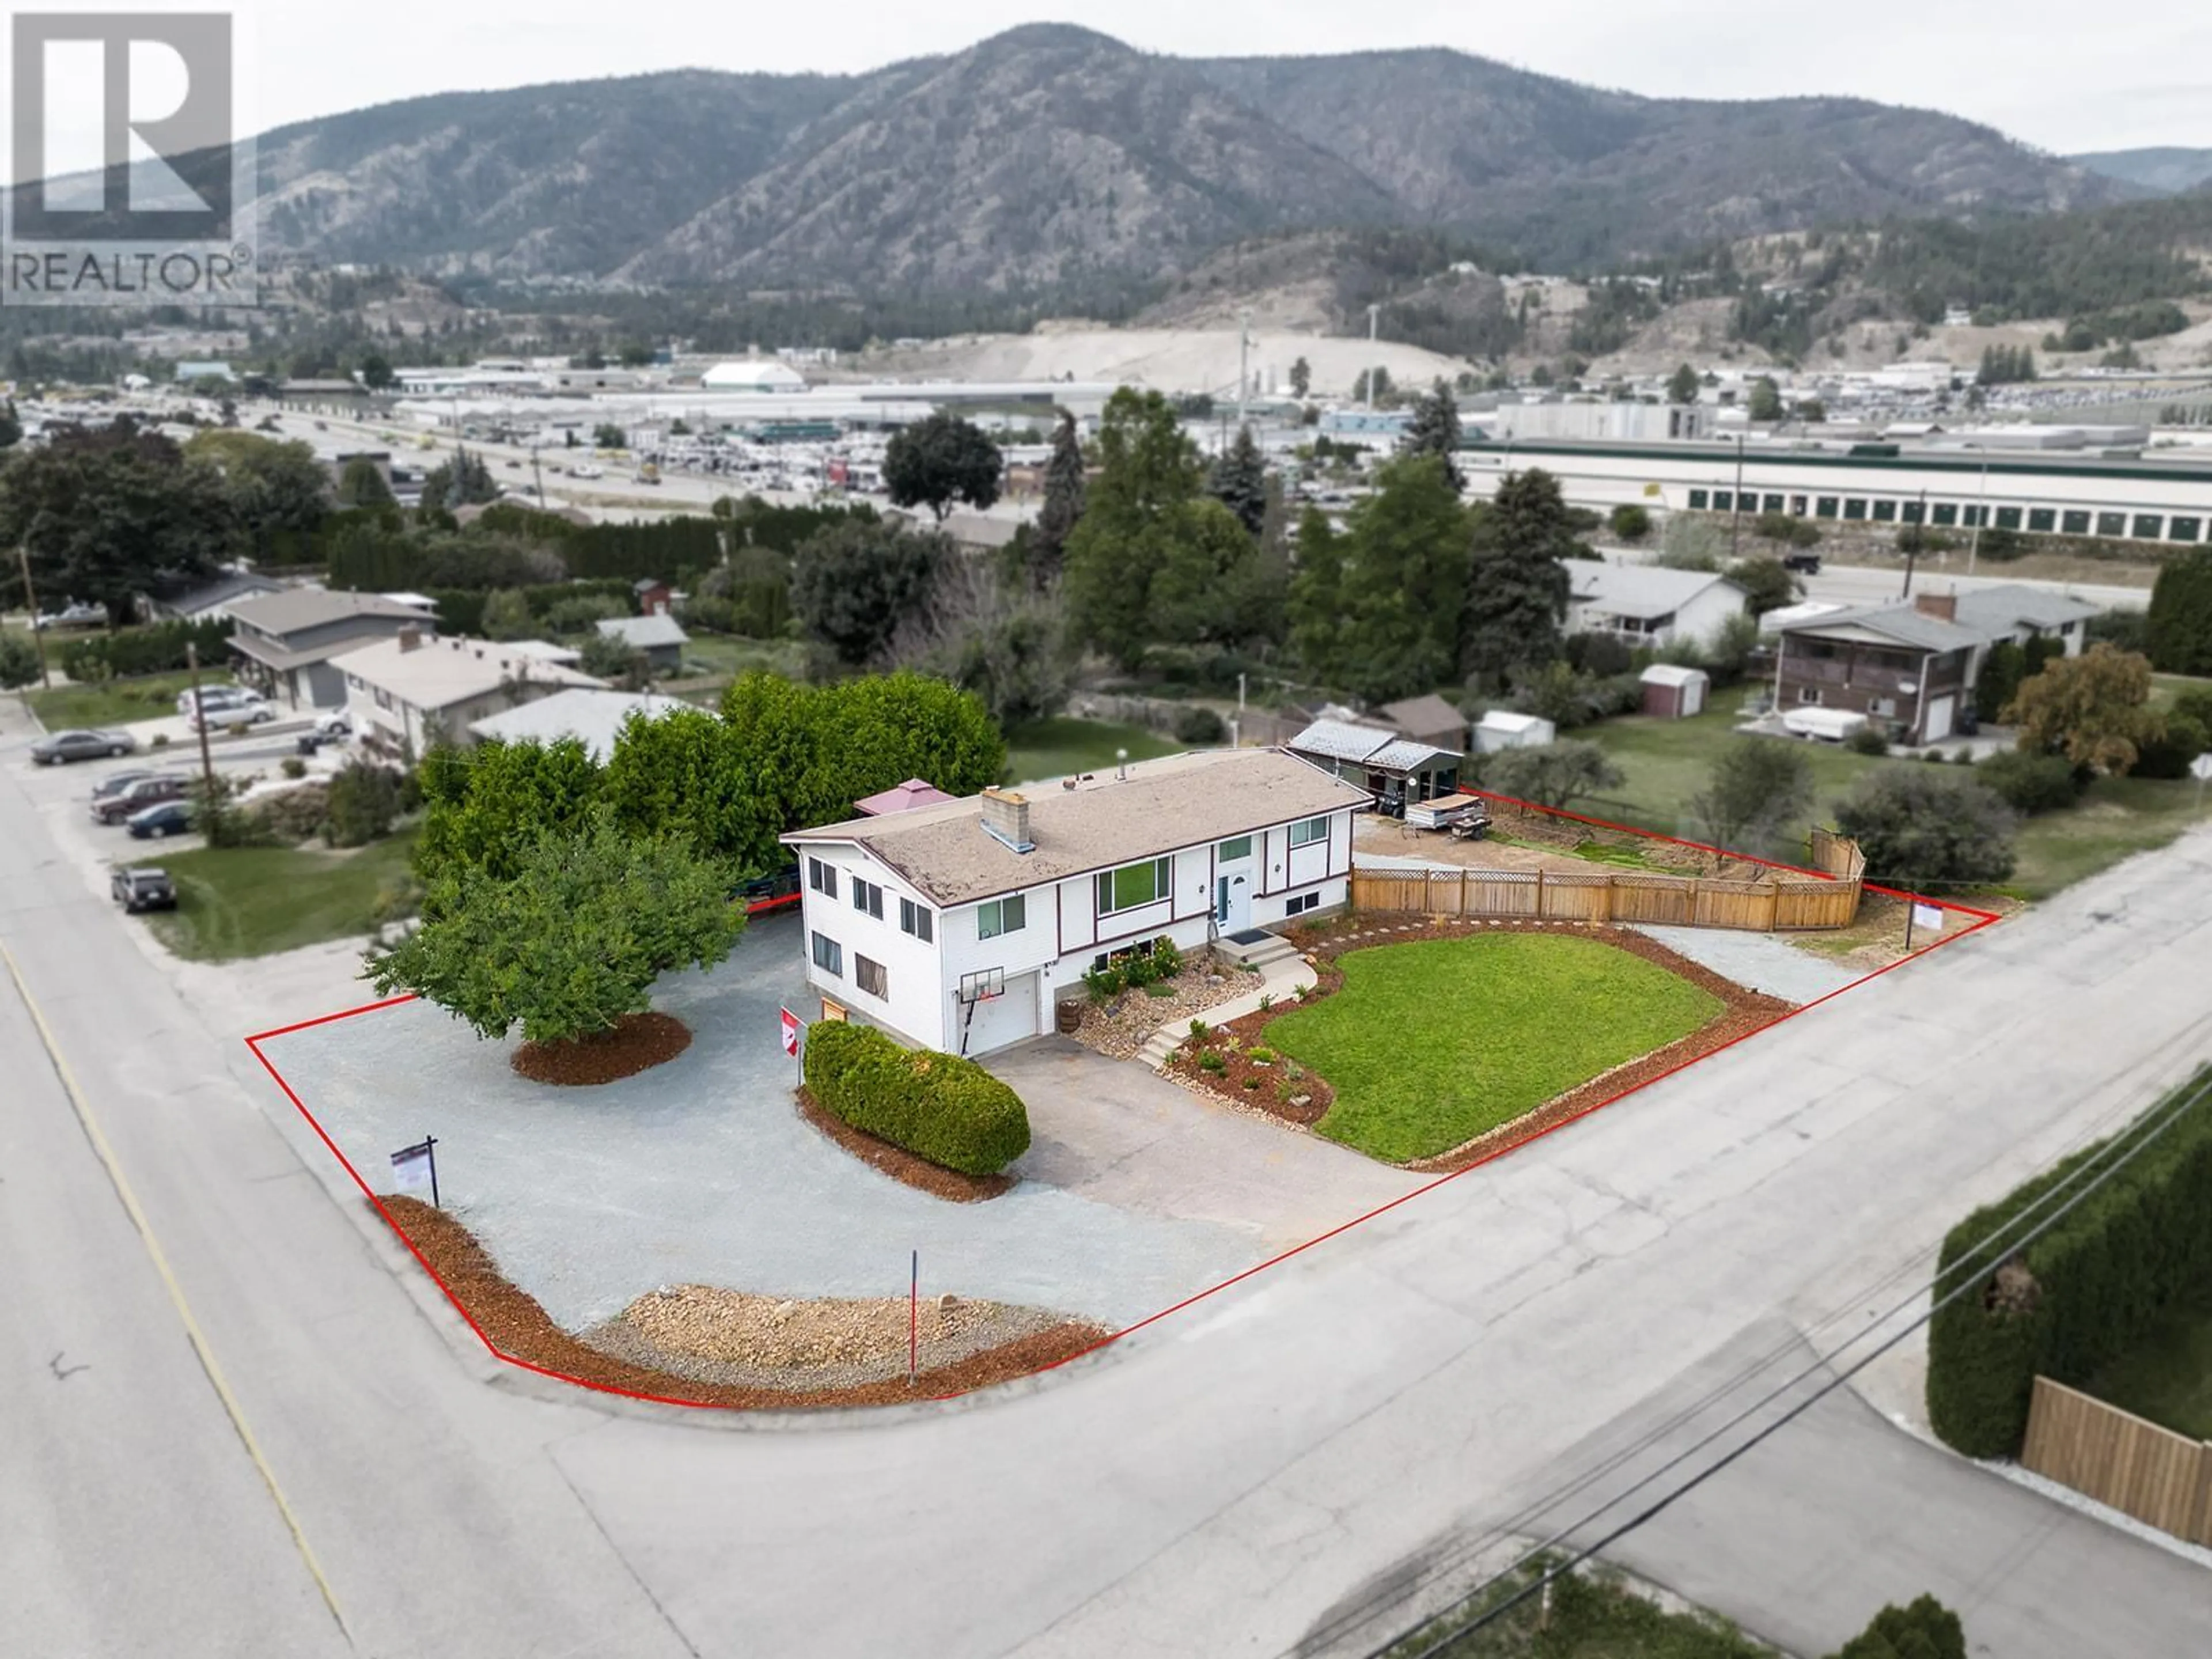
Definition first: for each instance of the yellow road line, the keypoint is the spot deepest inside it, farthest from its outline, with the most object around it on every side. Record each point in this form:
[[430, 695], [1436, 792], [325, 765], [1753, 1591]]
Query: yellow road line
[[160, 1258]]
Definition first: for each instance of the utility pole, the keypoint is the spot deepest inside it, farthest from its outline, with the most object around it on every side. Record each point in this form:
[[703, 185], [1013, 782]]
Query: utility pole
[[31, 605], [1374, 316], [1244, 363], [1735, 502], [209, 807], [1981, 513], [538, 475]]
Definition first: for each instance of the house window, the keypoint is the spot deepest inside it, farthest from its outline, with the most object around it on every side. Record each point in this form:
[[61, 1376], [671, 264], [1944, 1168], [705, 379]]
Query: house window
[[1301, 904], [2041, 520], [1885, 512], [868, 898], [2111, 524], [870, 977], [1306, 834], [2074, 523], [1825, 508], [915, 918], [828, 955], [2185, 530], [1945, 514], [2148, 525], [1808, 693], [1241, 848], [1885, 706], [1006, 916], [1132, 885], [822, 877], [1699, 500]]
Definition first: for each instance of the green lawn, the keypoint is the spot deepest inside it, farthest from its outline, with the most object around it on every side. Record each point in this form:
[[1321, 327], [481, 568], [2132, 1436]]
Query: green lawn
[[255, 901], [1431, 1043], [2116, 816], [2169, 1378], [726, 653], [114, 702], [1055, 747]]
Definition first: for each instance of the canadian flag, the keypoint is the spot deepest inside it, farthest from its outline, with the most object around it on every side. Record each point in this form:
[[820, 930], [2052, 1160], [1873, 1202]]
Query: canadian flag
[[790, 1032]]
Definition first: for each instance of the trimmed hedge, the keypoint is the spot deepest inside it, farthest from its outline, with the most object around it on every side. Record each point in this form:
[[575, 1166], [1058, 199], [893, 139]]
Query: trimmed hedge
[[2093, 1286], [939, 1106]]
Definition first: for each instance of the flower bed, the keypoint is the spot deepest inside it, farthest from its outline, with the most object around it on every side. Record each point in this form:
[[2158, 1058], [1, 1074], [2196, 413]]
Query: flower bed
[[1120, 1026]]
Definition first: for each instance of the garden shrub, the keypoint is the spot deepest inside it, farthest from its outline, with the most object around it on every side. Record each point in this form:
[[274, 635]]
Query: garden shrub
[[1868, 739], [938, 1106], [2084, 1293], [1211, 1060], [1925, 1630], [1199, 725], [2168, 755], [294, 815], [364, 799], [2030, 784]]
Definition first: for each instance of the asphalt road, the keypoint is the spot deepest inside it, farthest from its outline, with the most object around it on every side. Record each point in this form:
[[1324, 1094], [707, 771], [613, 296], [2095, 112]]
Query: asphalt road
[[1229, 1481]]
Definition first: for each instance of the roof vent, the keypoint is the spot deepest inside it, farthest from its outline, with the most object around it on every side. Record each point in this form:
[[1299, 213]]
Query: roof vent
[[1006, 819]]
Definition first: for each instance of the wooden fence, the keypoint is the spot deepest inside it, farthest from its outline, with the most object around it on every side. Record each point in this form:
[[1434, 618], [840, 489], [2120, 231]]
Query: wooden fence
[[1778, 903], [2159, 1477]]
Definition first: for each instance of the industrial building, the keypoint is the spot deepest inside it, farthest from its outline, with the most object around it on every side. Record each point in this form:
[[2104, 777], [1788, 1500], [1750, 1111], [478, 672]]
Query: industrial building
[[1962, 481]]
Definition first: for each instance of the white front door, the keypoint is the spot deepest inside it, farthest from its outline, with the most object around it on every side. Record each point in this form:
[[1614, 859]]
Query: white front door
[[1939, 711], [1232, 901]]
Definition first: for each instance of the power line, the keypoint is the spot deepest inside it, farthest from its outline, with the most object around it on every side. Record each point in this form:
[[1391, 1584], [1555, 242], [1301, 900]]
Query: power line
[[2096, 1178]]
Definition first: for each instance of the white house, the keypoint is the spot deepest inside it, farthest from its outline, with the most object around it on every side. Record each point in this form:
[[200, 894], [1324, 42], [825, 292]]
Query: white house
[[1650, 604], [959, 925], [405, 693]]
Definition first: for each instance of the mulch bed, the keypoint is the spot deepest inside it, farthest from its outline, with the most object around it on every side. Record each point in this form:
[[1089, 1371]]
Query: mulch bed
[[637, 1043], [1745, 1012], [901, 1165], [519, 1329]]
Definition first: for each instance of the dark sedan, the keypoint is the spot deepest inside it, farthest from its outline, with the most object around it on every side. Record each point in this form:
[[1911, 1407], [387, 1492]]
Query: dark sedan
[[144, 889], [171, 818], [80, 745]]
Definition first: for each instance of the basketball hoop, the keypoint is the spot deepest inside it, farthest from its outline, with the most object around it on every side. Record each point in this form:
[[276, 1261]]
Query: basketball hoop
[[986, 986]]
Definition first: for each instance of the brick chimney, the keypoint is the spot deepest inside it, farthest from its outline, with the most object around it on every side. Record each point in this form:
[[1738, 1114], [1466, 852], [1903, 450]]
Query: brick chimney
[[1006, 818], [1944, 607], [411, 637]]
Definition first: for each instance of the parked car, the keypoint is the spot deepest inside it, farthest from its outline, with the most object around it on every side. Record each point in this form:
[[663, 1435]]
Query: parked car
[[144, 888], [217, 696], [147, 792], [1805, 564], [64, 746], [116, 782], [72, 616], [585, 469], [171, 818], [232, 713]]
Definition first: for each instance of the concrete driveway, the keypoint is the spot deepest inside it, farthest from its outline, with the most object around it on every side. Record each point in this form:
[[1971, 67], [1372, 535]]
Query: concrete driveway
[[1116, 1131]]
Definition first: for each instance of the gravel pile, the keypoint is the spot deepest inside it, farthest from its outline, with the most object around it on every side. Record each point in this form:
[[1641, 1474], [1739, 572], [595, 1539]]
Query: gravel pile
[[1120, 1029], [731, 1337]]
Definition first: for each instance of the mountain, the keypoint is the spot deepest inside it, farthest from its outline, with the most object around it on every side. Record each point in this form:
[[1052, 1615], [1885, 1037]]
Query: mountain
[[2169, 170], [1052, 160]]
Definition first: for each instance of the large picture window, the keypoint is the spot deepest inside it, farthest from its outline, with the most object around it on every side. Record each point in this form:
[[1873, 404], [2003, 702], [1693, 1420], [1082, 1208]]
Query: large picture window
[[1003, 915], [1134, 885], [1306, 834]]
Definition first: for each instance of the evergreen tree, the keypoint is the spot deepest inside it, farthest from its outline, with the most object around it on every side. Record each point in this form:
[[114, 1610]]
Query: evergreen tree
[[1315, 606], [1376, 610], [1209, 564], [1301, 378], [1682, 386], [1434, 430], [1766, 399], [1517, 589], [1149, 474], [2180, 623], [1063, 504], [1239, 481]]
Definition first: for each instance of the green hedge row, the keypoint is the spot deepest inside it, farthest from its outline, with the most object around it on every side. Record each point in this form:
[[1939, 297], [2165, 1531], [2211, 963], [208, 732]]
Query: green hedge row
[[939, 1106], [156, 649], [2093, 1287]]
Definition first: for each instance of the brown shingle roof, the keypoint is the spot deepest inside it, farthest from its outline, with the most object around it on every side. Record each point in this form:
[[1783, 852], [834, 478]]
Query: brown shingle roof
[[1162, 805]]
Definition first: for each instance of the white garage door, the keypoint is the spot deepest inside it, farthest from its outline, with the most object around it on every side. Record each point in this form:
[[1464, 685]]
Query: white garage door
[[1940, 713], [1004, 1019]]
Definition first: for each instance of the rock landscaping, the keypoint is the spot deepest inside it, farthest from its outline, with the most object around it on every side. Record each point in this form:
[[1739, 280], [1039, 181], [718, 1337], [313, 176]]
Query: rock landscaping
[[820, 1358], [1119, 1027], [637, 1043]]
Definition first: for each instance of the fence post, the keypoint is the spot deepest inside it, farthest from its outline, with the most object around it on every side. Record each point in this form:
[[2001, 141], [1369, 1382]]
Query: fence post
[[2203, 1533], [1462, 892], [1540, 894], [1693, 900]]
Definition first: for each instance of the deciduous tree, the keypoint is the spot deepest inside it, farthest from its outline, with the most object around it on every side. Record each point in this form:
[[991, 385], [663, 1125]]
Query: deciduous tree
[[853, 584], [942, 459], [1555, 774], [1756, 797], [2093, 708], [1925, 827]]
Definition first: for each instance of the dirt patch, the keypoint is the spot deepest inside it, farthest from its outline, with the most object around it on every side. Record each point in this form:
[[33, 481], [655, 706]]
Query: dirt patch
[[637, 1043], [518, 1329], [1531, 839], [900, 1165], [1744, 1012]]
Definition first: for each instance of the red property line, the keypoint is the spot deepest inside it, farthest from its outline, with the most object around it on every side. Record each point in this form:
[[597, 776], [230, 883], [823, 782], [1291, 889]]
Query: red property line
[[1985, 918]]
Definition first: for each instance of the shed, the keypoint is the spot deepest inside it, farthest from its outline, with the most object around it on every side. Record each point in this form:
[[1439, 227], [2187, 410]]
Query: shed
[[1395, 771], [652, 595], [1672, 692], [1501, 728]]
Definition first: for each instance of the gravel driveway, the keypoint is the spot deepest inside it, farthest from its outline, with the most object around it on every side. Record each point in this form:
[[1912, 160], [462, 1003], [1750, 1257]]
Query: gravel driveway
[[701, 1170]]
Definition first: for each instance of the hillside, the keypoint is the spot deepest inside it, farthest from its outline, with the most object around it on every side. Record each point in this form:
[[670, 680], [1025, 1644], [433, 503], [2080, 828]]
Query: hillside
[[2168, 169], [1052, 160]]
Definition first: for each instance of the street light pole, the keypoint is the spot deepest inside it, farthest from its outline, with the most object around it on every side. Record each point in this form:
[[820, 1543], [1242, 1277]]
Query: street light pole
[[1735, 516], [31, 605], [1374, 316], [1244, 363], [1981, 513]]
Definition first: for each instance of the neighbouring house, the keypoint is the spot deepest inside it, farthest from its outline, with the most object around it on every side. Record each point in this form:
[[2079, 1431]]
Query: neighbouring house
[[1650, 604], [547, 651], [414, 690], [652, 596], [961, 925], [658, 637], [1672, 692], [594, 719], [286, 644], [1427, 720], [1907, 667], [1501, 728], [2019, 613], [211, 600], [1393, 769]]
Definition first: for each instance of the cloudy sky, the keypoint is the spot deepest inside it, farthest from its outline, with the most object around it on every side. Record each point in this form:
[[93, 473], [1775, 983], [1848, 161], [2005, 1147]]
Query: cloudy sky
[[2058, 74]]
